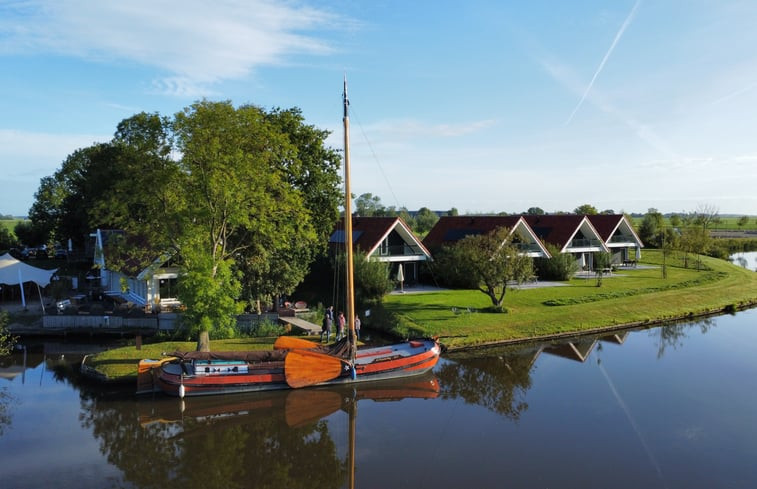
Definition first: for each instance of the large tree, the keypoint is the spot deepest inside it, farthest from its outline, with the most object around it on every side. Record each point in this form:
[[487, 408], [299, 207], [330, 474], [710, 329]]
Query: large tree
[[243, 199], [489, 262]]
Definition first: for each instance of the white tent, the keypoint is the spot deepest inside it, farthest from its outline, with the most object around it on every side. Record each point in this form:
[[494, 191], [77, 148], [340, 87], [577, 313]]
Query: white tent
[[14, 272]]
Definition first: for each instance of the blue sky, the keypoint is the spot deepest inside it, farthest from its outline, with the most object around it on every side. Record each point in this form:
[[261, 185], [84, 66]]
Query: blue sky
[[485, 106]]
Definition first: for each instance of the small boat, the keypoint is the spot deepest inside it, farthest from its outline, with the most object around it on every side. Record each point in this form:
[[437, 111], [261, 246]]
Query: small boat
[[293, 363]]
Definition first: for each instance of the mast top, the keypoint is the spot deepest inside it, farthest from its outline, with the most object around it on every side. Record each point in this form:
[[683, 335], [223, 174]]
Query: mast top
[[345, 99]]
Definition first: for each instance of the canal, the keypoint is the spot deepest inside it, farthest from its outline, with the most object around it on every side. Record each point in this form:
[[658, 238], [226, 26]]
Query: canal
[[666, 407]]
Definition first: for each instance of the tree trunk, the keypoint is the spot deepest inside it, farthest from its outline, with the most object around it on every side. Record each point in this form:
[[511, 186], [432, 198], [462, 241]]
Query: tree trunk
[[203, 341]]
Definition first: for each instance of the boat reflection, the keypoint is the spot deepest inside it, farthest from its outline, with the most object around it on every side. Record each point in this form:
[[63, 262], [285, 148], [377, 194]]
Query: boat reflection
[[299, 407], [266, 440]]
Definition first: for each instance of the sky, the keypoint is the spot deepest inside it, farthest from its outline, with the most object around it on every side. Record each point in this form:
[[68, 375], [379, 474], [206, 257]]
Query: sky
[[484, 106]]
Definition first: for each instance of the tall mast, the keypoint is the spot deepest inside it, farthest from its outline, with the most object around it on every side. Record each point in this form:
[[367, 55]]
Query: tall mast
[[350, 306]]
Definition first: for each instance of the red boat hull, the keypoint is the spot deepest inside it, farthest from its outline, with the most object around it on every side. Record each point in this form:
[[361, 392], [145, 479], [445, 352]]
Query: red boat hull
[[380, 363]]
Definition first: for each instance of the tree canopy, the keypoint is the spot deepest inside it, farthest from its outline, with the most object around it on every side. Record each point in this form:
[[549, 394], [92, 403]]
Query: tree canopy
[[486, 262], [244, 199]]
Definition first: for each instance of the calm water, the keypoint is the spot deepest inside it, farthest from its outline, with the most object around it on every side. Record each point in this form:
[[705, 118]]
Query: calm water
[[747, 259], [670, 407]]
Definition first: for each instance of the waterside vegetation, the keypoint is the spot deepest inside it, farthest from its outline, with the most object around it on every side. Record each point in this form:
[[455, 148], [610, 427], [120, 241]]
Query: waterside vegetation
[[627, 298]]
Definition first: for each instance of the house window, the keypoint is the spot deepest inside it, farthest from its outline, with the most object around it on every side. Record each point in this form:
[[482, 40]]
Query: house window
[[384, 249], [168, 288]]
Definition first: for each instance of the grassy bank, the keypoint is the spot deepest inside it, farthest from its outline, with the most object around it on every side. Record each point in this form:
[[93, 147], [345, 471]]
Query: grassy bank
[[628, 297], [634, 296], [121, 363]]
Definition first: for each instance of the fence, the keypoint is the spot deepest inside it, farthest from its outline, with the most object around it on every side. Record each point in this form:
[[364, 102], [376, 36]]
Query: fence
[[154, 322], [159, 322]]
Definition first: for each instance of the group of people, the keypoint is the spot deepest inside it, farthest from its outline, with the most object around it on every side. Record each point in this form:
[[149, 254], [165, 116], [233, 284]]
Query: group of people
[[328, 321]]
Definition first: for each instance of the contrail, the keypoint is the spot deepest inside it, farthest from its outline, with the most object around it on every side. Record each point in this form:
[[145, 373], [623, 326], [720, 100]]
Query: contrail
[[622, 29]]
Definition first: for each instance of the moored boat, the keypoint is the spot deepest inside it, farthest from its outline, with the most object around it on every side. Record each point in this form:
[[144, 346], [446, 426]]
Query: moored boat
[[297, 364]]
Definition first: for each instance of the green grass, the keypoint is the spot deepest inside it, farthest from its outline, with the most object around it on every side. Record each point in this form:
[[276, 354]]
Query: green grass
[[121, 363], [10, 224], [628, 297], [726, 223]]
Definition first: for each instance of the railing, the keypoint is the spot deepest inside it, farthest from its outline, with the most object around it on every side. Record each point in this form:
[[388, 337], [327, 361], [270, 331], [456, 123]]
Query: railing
[[398, 250], [585, 243], [621, 238], [527, 247]]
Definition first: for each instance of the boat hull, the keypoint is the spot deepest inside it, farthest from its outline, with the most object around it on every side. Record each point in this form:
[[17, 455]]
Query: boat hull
[[228, 377]]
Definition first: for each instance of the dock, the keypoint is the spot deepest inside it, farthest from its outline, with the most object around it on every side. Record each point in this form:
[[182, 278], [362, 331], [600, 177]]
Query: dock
[[307, 326]]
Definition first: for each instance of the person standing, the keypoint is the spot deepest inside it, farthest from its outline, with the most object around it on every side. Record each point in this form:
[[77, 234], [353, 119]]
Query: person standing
[[328, 320], [340, 326], [357, 326]]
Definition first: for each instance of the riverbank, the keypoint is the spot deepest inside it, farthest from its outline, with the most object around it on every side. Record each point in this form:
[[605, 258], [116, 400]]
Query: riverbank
[[626, 299]]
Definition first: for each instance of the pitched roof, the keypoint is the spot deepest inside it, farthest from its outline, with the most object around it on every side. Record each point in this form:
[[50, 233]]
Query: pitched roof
[[369, 232], [607, 224], [557, 229], [449, 229]]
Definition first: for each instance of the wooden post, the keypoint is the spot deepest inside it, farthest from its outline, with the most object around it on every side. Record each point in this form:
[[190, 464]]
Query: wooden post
[[139, 341]]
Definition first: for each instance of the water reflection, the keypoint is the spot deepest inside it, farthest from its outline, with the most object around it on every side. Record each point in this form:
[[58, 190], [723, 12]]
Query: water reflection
[[499, 378], [269, 440], [591, 411]]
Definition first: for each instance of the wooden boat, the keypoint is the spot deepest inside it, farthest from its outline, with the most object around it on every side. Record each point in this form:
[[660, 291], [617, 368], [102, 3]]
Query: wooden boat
[[293, 363]]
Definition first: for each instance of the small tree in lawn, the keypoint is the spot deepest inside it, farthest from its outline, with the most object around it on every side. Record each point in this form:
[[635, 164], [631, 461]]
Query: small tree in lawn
[[491, 261], [601, 263]]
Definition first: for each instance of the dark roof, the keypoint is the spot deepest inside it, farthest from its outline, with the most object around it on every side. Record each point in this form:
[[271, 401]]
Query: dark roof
[[556, 229], [367, 232], [605, 224], [449, 229]]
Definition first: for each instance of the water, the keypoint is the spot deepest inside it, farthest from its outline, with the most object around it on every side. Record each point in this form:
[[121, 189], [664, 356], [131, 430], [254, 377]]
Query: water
[[746, 259], [670, 407]]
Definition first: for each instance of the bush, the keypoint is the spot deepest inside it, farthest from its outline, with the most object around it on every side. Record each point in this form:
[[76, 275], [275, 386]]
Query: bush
[[562, 266]]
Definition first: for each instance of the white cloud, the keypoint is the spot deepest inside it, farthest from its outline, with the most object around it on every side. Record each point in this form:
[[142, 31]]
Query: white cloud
[[198, 43]]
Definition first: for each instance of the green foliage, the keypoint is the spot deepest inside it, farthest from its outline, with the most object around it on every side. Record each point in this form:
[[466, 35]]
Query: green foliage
[[371, 277], [7, 340], [209, 291], [7, 240], [490, 261], [267, 329], [425, 219], [560, 266], [585, 209], [30, 234]]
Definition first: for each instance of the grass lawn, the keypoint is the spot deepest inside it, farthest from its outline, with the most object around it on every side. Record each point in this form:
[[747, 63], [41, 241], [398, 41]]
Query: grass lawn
[[628, 296], [121, 363]]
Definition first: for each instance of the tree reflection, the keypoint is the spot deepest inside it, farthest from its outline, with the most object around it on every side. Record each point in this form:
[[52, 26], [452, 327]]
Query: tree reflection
[[498, 382], [6, 399], [672, 335], [250, 445]]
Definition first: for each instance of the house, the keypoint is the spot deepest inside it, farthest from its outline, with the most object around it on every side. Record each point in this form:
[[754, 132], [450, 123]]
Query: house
[[146, 283], [571, 233], [619, 236], [450, 229], [385, 239]]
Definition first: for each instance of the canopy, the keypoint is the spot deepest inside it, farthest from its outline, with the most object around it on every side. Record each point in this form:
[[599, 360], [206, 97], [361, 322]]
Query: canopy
[[14, 272]]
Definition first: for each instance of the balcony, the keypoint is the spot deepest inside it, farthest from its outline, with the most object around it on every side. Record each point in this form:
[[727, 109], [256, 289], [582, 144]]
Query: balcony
[[585, 243]]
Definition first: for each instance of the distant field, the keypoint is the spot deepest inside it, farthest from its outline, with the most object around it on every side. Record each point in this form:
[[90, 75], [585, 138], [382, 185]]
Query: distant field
[[726, 223], [9, 224]]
